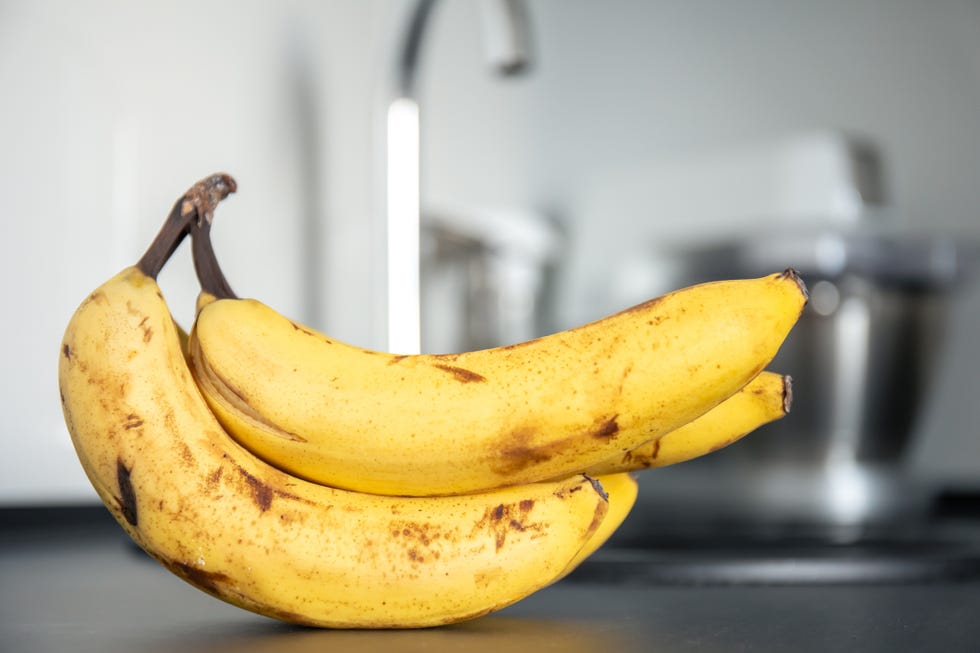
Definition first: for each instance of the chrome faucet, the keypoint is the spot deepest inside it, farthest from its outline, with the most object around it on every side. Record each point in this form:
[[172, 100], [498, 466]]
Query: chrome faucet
[[506, 42], [506, 38]]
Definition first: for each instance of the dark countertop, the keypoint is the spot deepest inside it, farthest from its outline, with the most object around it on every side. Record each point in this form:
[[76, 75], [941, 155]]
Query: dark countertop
[[84, 587]]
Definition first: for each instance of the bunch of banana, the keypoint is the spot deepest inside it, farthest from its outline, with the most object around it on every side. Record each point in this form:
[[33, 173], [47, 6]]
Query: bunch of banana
[[318, 483], [444, 424]]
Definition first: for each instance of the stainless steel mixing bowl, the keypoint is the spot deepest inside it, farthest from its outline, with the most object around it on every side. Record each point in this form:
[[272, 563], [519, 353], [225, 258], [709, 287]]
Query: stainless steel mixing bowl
[[862, 357]]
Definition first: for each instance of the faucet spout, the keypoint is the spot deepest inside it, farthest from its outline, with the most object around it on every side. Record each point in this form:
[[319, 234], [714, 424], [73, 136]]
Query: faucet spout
[[506, 36], [506, 40]]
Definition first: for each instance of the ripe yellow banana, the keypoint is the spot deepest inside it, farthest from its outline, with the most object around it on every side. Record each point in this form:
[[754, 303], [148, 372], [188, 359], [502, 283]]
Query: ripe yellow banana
[[443, 424], [764, 399], [256, 537]]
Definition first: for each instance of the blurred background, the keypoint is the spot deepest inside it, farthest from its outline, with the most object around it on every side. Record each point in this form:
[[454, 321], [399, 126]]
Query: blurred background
[[566, 159]]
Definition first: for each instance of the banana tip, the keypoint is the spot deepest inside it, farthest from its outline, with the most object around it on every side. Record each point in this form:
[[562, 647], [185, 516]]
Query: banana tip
[[787, 393], [794, 275], [598, 487]]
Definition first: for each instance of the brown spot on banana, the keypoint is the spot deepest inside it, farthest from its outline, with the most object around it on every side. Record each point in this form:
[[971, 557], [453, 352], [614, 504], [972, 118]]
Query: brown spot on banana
[[518, 345], [600, 513], [461, 374], [607, 429], [66, 351], [186, 455], [423, 533], [282, 615], [303, 329], [518, 453], [419, 539], [564, 494], [261, 493], [143, 323], [209, 581], [147, 330], [635, 460], [127, 496], [214, 479], [133, 421], [505, 518], [223, 586]]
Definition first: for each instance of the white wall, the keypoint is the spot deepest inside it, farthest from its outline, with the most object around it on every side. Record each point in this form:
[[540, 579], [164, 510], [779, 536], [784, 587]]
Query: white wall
[[111, 109], [620, 82]]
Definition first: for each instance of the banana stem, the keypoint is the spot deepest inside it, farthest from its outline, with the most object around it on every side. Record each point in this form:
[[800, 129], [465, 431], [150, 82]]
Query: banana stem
[[194, 207], [209, 274]]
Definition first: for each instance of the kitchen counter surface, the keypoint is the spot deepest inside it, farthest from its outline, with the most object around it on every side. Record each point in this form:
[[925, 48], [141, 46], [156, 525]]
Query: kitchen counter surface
[[86, 588]]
